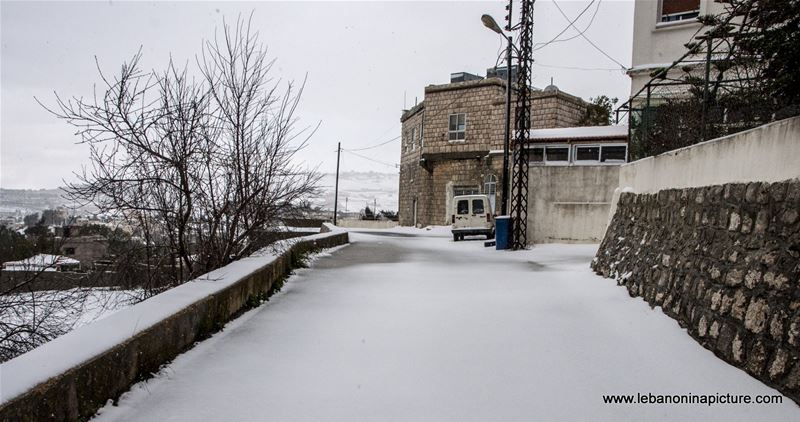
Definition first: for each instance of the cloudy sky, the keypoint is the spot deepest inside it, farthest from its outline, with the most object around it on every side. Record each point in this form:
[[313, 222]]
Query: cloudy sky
[[365, 62]]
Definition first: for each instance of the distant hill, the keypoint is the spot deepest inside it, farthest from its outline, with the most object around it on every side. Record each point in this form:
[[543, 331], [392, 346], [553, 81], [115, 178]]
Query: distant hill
[[28, 201], [356, 190], [359, 189]]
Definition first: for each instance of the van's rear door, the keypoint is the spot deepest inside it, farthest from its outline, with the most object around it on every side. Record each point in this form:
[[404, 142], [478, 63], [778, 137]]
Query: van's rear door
[[462, 215]]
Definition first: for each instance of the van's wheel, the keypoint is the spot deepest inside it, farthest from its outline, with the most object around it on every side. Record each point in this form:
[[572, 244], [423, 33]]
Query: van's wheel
[[455, 237], [490, 235]]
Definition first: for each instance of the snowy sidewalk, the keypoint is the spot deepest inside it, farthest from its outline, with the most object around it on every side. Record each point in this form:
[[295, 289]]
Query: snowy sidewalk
[[418, 328]]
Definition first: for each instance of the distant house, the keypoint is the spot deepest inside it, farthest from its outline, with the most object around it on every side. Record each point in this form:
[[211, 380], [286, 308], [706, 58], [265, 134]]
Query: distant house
[[43, 262], [86, 249]]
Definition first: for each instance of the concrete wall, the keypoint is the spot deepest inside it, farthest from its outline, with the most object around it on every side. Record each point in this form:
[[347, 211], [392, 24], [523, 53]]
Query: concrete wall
[[76, 392], [768, 153], [569, 204]]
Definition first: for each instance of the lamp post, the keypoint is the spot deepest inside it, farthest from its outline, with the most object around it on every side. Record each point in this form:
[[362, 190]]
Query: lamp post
[[490, 23]]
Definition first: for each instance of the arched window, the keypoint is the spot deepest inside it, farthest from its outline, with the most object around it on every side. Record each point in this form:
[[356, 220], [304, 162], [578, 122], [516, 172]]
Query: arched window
[[490, 189]]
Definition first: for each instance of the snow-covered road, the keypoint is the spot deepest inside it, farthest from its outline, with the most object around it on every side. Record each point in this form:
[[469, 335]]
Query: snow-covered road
[[418, 328]]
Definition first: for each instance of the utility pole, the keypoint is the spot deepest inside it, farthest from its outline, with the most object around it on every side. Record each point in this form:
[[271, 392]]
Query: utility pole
[[507, 140], [336, 191], [519, 187]]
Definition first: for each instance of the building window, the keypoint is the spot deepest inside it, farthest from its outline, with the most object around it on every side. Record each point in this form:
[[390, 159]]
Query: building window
[[490, 189], [69, 251], [413, 139], [678, 10], [419, 134], [465, 190], [595, 154], [556, 154], [614, 154], [587, 153], [458, 127]]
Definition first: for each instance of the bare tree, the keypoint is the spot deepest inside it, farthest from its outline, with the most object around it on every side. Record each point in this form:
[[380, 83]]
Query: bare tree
[[199, 161], [198, 165]]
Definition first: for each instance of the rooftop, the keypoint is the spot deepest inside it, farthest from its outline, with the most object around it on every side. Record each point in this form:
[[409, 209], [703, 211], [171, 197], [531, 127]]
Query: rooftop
[[585, 132]]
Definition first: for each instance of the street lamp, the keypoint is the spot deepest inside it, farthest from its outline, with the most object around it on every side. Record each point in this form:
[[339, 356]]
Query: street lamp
[[490, 23]]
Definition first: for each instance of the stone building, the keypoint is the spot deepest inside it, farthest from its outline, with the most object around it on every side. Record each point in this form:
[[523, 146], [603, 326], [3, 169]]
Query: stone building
[[451, 139]]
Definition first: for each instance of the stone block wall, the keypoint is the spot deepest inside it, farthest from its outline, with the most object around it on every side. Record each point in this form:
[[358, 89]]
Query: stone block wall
[[431, 166], [722, 260], [553, 109]]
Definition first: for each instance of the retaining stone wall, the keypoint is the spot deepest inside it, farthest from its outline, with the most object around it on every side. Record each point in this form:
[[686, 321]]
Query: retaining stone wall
[[724, 261]]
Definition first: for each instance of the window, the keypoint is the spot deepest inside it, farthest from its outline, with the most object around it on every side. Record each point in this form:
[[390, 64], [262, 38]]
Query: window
[[490, 189], [413, 139], [536, 155], [462, 208], [457, 130], [588, 153], [613, 154], [556, 154], [421, 138], [678, 10], [465, 190], [594, 154], [477, 206], [69, 251]]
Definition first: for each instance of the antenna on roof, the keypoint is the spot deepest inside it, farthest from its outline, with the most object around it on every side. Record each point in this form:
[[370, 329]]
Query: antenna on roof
[[551, 80]]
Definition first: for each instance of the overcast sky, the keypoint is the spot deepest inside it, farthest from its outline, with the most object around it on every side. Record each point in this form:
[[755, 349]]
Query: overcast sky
[[365, 62]]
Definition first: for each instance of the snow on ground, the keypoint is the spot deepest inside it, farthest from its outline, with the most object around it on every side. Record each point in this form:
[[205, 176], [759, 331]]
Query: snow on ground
[[38, 365], [55, 312], [403, 326]]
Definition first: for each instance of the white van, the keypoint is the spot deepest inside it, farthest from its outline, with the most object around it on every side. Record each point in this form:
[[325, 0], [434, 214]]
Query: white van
[[472, 215]]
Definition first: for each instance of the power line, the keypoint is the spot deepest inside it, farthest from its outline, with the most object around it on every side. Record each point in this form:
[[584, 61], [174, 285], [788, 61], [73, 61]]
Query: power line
[[606, 69], [539, 46], [555, 3], [370, 159], [591, 21], [378, 145], [380, 136]]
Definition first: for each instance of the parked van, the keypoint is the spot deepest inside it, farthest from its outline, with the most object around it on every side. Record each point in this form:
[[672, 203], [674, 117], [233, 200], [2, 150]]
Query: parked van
[[472, 215]]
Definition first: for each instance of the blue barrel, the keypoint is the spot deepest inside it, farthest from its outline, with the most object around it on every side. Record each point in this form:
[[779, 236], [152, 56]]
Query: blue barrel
[[502, 231]]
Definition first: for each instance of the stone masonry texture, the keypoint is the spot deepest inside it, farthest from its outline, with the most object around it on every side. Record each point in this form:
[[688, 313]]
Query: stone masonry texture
[[431, 165], [724, 261]]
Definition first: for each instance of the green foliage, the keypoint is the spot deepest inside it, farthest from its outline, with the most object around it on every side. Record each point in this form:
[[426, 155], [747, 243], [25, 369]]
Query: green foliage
[[300, 259], [598, 112], [14, 246], [42, 239], [777, 46], [30, 220]]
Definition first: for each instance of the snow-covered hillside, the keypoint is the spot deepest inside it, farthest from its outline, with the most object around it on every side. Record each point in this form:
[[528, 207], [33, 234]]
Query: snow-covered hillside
[[358, 189]]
